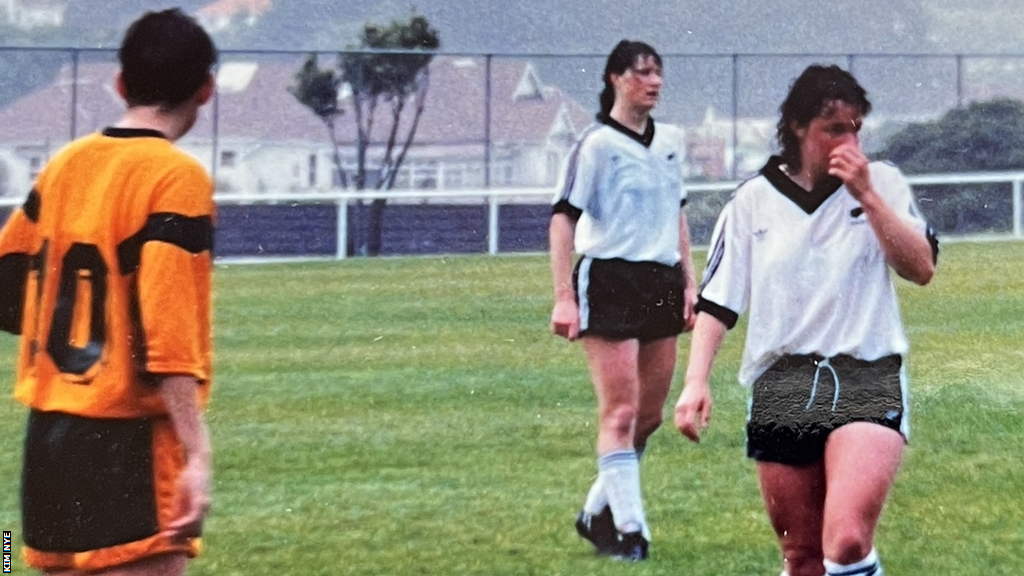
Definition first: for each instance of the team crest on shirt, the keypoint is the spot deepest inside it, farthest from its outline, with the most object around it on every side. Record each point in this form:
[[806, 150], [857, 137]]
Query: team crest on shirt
[[760, 233], [857, 216]]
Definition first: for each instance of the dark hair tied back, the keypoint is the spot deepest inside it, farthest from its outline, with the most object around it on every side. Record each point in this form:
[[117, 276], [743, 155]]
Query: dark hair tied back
[[622, 58]]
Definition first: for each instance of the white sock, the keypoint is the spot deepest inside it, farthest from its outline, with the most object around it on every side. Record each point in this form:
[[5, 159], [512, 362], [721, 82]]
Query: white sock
[[619, 473], [597, 498], [869, 566]]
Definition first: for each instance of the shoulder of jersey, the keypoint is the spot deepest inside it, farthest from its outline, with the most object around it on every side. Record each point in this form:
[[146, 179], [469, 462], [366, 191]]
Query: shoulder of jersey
[[752, 185], [885, 169]]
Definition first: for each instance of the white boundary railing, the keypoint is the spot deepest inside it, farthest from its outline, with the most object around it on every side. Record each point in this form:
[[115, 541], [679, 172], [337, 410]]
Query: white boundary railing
[[495, 197]]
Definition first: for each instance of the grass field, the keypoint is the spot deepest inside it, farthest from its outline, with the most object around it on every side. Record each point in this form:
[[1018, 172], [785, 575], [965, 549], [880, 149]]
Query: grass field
[[414, 416]]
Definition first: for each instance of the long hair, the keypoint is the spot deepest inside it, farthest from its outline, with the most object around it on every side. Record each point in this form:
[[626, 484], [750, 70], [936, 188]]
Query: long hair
[[166, 57], [622, 58], [809, 94]]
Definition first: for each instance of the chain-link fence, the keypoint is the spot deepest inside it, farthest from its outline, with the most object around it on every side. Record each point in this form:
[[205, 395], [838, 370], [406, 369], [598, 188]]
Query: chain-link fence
[[490, 123]]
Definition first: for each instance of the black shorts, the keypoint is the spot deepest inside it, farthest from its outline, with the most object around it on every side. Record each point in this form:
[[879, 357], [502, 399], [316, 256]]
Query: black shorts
[[801, 399], [623, 300], [99, 492]]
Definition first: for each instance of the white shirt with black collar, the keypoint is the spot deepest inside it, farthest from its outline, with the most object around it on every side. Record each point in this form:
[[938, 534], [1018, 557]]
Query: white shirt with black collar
[[627, 191], [808, 268]]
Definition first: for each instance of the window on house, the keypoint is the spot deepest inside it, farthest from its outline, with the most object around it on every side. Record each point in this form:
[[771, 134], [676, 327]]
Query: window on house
[[228, 158], [454, 176], [35, 164], [312, 170]]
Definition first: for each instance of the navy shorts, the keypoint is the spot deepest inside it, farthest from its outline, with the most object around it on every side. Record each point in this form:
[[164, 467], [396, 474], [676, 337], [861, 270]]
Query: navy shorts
[[624, 300], [801, 399]]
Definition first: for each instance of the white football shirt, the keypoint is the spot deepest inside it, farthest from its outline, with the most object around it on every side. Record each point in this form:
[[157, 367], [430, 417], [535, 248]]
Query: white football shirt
[[808, 267], [630, 190]]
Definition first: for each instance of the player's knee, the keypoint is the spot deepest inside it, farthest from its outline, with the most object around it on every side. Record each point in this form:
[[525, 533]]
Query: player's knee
[[803, 559], [847, 544], [620, 419], [646, 425]]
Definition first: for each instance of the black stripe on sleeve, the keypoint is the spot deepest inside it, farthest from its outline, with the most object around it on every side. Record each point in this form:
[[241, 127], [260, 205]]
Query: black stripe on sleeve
[[726, 316], [193, 234], [933, 240], [563, 207], [13, 276], [31, 206]]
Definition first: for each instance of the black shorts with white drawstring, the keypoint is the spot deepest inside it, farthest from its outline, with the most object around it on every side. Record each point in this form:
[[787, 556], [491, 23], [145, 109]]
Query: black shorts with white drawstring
[[801, 399]]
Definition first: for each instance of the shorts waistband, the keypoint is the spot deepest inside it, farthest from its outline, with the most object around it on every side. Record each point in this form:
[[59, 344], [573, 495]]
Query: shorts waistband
[[788, 361]]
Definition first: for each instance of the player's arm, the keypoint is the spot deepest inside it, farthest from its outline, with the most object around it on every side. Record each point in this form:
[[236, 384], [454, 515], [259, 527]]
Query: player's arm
[[577, 187], [906, 247], [179, 393], [693, 409], [689, 273], [18, 244], [565, 315]]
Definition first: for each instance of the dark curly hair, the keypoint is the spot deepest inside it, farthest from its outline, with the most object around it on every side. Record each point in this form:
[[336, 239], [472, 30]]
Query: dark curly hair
[[814, 89], [622, 58]]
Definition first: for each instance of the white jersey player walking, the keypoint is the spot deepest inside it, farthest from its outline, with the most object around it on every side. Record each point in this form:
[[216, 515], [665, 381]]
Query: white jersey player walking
[[806, 248], [632, 290]]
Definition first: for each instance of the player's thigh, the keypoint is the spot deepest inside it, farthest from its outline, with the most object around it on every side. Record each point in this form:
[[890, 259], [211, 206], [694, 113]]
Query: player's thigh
[[656, 365], [861, 462], [794, 498], [613, 370]]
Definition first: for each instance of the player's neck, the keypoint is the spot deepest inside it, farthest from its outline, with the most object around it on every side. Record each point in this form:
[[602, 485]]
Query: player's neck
[[172, 124], [633, 118], [807, 178]]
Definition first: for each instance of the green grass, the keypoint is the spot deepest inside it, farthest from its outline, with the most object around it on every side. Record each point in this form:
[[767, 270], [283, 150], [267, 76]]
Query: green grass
[[414, 416]]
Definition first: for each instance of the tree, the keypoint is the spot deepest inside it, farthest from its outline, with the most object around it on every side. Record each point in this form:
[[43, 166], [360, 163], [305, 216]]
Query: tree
[[984, 136], [389, 70]]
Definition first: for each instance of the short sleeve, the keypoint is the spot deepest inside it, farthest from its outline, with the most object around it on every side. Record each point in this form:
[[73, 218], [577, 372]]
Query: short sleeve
[[725, 290], [898, 194], [580, 177], [175, 273]]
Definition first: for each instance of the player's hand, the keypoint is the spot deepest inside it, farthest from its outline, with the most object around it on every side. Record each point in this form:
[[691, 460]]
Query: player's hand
[[689, 314], [848, 163], [693, 410], [194, 501], [565, 319]]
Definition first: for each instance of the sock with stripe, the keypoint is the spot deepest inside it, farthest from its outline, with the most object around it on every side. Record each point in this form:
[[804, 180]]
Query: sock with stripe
[[597, 499], [619, 473], [869, 566]]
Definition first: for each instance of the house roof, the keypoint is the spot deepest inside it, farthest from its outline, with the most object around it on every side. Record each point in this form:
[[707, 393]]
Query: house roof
[[229, 8], [254, 103]]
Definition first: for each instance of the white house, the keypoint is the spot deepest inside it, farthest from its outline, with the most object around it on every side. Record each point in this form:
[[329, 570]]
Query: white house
[[29, 14], [257, 138], [221, 14]]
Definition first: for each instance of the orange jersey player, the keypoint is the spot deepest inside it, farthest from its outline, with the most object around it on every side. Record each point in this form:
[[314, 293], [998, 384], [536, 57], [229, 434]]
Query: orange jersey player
[[106, 275]]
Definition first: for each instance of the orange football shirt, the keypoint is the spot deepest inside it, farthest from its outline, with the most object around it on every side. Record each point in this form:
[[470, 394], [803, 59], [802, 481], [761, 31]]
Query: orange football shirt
[[107, 272]]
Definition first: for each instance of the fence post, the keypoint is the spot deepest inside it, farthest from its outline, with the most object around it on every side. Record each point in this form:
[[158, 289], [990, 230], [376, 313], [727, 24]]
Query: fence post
[[1018, 226], [75, 58], [492, 224], [341, 250]]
